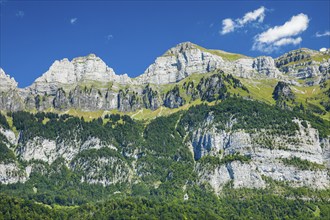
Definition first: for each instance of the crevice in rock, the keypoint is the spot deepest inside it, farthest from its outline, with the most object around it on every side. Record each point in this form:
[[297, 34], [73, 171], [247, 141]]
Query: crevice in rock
[[230, 170]]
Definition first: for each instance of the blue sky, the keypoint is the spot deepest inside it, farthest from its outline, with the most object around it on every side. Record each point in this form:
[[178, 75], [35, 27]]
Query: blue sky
[[129, 35]]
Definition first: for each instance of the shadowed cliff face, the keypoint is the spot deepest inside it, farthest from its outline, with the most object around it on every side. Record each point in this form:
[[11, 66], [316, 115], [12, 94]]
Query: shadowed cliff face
[[90, 97]]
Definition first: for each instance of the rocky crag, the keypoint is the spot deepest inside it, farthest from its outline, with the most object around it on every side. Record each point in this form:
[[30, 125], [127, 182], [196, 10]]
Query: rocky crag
[[88, 84]]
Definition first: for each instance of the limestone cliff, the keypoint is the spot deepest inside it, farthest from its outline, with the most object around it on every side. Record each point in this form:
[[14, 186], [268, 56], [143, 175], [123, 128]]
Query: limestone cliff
[[187, 58], [88, 84], [65, 73], [312, 66], [238, 142], [10, 99]]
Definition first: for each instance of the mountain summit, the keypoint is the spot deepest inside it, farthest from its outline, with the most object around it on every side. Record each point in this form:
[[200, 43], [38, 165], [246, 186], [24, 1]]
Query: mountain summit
[[178, 63], [6, 82], [79, 70], [87, 83]]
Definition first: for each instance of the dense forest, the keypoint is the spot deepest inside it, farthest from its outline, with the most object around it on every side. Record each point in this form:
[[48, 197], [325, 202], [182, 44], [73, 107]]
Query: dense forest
[[57, 192], [233, 204]]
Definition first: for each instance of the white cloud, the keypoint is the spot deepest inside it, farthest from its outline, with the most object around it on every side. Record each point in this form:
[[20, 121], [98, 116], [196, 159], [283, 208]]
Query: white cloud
[[286, 41], [229, 25], [109, 37], [73, 20], [278, 36], [20, 14], [326, 33], [258, 14], [295, 26]]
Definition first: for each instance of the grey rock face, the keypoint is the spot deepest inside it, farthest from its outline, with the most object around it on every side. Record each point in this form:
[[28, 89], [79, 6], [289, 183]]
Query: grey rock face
[[86, 98], [178, 63], [47, 150], [82, 69], [187, 58], [9, 135], [93, 168], [173, 99], [212, 88], [305, 64], [151, 99], [266, 66], [325, 144], [283, 92], [10, 99], [42, 149], [128, 101], [265, 161], [242, 174], [6, 82], [60, 101], [89, 84], [11, 173]]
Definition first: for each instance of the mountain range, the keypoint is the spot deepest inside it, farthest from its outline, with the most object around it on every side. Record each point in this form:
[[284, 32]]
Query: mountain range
[[88, 84], [196, 127]]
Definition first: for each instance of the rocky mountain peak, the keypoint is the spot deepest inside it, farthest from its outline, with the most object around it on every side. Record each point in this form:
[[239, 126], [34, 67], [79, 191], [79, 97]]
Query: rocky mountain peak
[[86, 67], [298, 54], [182, 47], [80, 69], [303, 55], [187, 58], [65, 78], [6, 82], [305, 64], [179, 62]]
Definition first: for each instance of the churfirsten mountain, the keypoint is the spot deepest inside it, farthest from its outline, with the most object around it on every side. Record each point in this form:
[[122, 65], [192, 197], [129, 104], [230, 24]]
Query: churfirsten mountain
[[88, 84], [204, 131]]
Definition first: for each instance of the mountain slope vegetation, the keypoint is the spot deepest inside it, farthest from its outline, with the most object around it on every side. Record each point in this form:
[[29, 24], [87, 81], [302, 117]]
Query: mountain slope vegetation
[[201, 134]]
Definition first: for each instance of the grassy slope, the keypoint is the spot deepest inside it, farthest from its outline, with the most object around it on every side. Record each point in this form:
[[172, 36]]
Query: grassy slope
[[260, 89], [225, 55], [312, 95]]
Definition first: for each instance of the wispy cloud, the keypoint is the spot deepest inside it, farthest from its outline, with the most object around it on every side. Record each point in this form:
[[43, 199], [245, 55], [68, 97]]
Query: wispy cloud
[[324, 34], [278, 36], [73, 20], [286, 41], [108, 38], [229, 25], [20, 14], [258, 14]]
